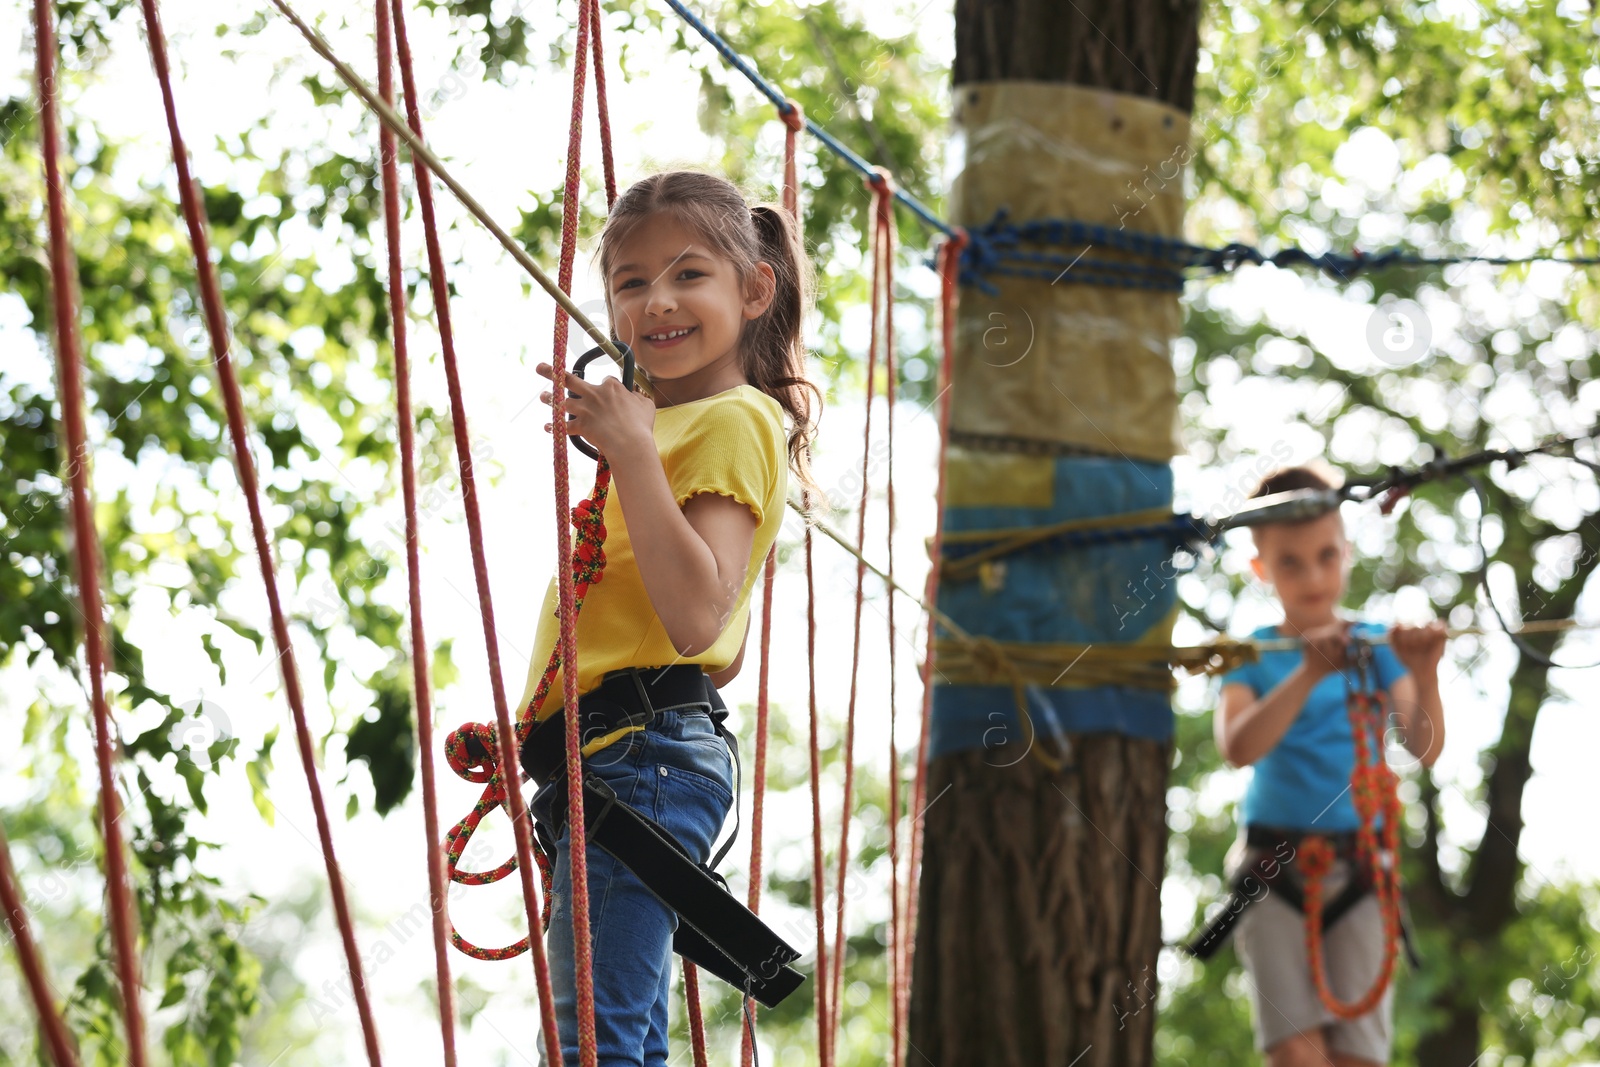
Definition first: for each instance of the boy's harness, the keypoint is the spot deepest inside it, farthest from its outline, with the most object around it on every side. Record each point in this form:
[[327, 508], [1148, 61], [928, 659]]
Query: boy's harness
[[1375, 867]]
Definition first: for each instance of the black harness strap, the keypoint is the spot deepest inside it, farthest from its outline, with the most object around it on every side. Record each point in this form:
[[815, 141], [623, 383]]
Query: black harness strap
[[1269, 874], [716, 931]]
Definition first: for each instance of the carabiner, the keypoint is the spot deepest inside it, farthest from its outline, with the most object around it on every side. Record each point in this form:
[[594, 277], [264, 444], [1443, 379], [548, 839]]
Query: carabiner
[[627, 383]]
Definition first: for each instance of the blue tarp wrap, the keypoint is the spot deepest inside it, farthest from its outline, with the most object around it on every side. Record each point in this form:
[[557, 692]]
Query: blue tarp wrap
[[1108, 593]]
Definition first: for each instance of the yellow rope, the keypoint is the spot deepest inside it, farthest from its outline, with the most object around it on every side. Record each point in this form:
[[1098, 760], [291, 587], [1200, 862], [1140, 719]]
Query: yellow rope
[[1015, 540], [1059, 666]]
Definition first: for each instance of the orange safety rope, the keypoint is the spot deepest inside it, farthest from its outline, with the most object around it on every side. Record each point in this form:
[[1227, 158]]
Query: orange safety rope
[[949, 270], [51, 1025], [408, 478], [217, 326], [1374, 789]]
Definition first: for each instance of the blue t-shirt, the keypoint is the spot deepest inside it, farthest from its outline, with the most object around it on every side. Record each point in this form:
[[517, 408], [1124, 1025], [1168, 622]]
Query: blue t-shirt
[[1304, 782]]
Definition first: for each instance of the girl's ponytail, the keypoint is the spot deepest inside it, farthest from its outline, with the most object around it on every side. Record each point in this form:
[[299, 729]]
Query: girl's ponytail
[[774, 342]]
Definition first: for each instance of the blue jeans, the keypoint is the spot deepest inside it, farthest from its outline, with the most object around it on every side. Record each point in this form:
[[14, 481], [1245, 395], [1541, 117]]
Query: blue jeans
[[679, 772]]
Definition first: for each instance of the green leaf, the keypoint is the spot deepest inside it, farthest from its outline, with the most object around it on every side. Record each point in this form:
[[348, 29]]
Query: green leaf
[[386, 740], [216, 657], [256, 771]]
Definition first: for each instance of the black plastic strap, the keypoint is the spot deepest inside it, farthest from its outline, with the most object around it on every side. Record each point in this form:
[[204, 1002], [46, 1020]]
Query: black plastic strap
[[715, 931], [1211, 937], [1215, 933], [719, 716]]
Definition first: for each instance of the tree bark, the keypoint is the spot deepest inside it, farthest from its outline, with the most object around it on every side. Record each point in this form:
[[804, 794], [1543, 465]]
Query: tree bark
[[1039, 920]]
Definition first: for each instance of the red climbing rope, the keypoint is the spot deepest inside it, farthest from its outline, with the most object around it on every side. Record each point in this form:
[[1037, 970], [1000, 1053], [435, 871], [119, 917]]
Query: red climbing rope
[[791, 203], [578, 858], [949, 269], [494, 793], [881, 187], [588, 561], [51, 1025], [217, 325], [603, 114], [883, 293], [86, 545], [697, 1024], [820, 975], [583, 563], [1374, 789], [408, 478]]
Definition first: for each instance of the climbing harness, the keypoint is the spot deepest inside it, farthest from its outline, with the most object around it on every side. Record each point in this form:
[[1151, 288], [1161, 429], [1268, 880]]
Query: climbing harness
[[1375, 860], [717, 932]]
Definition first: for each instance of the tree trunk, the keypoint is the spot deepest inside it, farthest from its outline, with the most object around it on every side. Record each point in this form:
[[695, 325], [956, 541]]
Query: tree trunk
[[1039, 916]]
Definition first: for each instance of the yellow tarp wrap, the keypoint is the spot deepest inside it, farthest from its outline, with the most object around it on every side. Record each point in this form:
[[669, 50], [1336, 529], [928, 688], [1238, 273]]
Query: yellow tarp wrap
[[1075, 364], [998, 479]]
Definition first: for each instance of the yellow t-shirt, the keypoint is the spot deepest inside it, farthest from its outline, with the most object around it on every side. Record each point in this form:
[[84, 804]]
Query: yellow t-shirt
[[732, 443]]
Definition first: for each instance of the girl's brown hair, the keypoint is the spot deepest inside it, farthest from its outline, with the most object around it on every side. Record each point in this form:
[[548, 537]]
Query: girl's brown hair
[[772, 352]]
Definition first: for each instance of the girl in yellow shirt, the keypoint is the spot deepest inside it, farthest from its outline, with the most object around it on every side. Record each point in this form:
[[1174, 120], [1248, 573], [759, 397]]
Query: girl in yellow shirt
[[710, 294]]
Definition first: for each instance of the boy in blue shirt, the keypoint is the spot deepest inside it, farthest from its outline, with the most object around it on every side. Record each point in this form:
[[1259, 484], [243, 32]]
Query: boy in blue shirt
[[1286, 716]]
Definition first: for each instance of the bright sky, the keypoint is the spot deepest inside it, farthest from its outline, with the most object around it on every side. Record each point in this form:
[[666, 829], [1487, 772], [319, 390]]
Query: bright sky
[[502, 141]]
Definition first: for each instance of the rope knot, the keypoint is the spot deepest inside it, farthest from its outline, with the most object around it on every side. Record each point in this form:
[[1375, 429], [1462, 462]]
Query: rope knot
[[991, 663], [793, 117], [472, 752]]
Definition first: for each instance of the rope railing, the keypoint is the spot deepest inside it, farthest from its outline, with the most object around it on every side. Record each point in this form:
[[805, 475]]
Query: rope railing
[[86, 544], [52, 1027], [394, 37], [217, 325]]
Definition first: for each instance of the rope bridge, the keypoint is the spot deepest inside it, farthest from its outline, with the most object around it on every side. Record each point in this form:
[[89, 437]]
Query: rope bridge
[[581, 564]]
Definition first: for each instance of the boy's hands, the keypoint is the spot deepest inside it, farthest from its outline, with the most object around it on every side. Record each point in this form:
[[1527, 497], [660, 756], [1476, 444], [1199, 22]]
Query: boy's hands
[[609, 417], [1419, 648], [1325, 647]]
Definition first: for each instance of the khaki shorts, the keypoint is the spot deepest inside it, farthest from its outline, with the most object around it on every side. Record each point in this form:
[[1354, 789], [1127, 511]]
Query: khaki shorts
[[1271, 941]]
